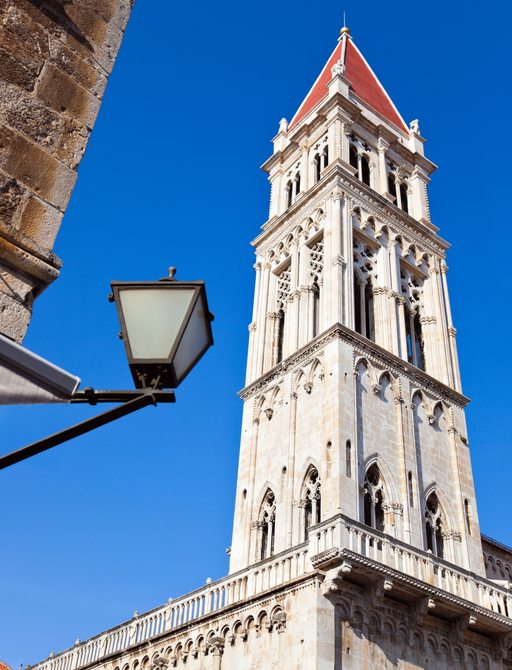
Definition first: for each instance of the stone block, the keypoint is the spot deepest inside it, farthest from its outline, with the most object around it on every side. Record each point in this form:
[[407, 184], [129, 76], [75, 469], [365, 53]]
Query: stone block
[[72, 142], [40, 222], [34, 167], [33, 34], [62, 93], [83, 72], [28, 115]]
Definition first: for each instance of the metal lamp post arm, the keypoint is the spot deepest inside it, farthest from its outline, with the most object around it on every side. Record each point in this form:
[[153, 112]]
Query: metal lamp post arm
[[132, 401]]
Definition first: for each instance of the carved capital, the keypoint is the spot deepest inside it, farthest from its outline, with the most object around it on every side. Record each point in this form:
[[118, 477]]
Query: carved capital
[[252, 327], [269, 413], [216, 646], [278, 621]]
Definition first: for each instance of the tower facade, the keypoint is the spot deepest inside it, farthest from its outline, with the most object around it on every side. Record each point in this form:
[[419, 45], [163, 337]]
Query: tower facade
[[353, 403], [356, 542]]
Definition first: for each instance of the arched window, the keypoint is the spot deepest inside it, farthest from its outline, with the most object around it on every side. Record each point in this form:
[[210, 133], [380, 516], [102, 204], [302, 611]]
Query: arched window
[[280, 336], [392, 184], [297, 183], [414, 335], [364, 315], [434, 526], [373, 499], [348, 459], [289, 194], [411, 490], [412, 291], [318, 167], [325, 156], [312, 500], [467, 514], [316, 309], [403, 197], [353, 156], [365, 170], [266, 524]]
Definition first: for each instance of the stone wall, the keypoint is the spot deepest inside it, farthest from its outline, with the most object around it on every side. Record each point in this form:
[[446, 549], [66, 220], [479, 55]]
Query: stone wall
[[55, 60]]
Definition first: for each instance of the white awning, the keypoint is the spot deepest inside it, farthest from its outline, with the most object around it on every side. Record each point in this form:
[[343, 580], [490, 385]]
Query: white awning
[[26, 378]]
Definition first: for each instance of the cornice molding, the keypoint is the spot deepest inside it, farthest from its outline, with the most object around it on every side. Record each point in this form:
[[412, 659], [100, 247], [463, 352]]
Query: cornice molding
[[363, 348]]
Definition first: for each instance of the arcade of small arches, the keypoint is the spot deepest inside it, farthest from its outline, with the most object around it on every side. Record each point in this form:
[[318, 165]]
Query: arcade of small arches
[[388, 289], [212, 642], [363, 158], [406, 635]]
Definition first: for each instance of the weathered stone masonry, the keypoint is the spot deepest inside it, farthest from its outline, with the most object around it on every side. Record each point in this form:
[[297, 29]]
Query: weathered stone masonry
[[55, 60]]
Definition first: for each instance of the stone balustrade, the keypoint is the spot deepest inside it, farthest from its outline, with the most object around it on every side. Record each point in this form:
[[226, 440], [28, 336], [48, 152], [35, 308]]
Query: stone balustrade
[[343, 533], [211, 598], [338, 534]]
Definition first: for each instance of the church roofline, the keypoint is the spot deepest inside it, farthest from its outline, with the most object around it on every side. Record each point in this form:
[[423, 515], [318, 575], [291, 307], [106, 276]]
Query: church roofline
[[364, 85]]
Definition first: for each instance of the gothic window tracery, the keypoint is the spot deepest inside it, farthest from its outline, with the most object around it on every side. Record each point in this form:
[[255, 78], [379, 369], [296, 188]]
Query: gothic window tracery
[[364, 277], [373, 498], [316, 268], [398, 187], [266, 525], [283, 291], [312, 499], [434, 526], [412, 291], [359, 159]]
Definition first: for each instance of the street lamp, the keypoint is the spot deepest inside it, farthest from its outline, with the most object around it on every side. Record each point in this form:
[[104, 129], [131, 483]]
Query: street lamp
[[166, 329], [165, 326]]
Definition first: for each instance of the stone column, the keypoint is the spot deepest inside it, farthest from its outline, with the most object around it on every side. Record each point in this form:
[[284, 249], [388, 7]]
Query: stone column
[[304, 285], [216, 649], [260, 320], [249, 511], [419, 209], [452, 332], [270, 322], [348, 268], [335, 264], [276, 183], [382, 148], [293, 304], [304, 161], [291, 469], [251, 363]]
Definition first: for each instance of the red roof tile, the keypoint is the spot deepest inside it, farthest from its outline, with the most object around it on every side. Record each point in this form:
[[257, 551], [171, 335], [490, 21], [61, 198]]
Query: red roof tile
[[364, 84]]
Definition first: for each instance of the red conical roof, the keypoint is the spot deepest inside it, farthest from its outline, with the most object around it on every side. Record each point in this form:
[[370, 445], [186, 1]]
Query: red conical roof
[[363, 83]]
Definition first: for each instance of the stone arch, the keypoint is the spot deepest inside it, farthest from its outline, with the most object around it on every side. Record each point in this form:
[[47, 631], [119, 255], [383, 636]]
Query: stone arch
[[390, 487], [317, 369], [444, 502], [319, 216], [262, 620], [250, 625], [298, 376], [384, 378]]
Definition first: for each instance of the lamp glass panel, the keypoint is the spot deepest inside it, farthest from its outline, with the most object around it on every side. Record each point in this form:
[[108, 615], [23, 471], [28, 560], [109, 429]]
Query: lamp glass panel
[[195, 340], [153, 318]]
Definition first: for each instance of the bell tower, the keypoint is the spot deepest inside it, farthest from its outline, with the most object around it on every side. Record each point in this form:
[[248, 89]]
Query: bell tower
[[353, 401]]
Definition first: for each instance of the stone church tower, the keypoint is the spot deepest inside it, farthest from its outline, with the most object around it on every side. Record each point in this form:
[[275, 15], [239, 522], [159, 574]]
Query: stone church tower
[[356, 541]]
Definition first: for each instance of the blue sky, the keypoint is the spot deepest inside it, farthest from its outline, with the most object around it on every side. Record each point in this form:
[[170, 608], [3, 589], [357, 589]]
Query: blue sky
[[141, 510]]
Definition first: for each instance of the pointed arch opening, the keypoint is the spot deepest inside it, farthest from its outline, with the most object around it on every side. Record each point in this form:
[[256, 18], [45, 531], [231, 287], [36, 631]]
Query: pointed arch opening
[[392, 185], [289, 194], [365, 170], [373, 498], [312, 499], [266, 525], [434, 525], [318, 167], [403, 198]]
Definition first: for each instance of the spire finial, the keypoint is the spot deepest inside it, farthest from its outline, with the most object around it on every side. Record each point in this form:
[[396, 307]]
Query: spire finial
[[344, 30]]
